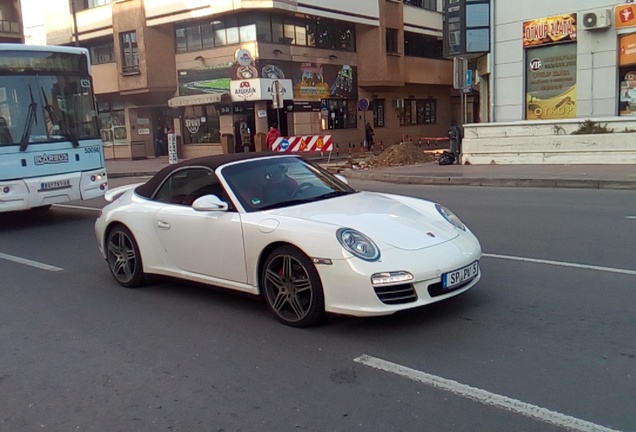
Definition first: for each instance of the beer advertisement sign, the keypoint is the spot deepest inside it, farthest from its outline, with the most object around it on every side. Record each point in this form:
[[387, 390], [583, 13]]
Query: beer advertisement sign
[[550, 30]]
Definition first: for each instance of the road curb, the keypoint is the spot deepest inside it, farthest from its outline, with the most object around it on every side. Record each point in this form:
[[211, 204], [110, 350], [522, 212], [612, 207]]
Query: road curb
[[491, 182]]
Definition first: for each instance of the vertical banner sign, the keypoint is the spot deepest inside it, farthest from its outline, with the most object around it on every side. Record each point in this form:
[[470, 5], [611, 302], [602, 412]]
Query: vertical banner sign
[[550, 67], [172, 148]]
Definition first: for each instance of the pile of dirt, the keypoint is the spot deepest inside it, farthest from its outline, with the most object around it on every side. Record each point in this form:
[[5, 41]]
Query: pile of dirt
[[405, 153]]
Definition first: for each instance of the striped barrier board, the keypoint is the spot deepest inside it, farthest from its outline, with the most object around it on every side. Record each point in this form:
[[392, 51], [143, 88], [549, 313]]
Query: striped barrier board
[[305, 143]]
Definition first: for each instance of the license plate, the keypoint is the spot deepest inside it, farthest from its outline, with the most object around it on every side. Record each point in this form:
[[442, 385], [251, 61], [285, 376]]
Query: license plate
[[460, 276], [58, 184]]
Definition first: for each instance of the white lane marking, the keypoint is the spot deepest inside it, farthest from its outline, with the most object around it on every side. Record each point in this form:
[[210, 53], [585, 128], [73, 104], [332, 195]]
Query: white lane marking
[[562, 264], [30, 263], [630, 217], [484, 397], [76, 207]]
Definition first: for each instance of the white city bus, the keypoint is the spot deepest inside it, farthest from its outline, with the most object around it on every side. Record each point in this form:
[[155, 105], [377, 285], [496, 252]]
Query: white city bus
[[50, 146]]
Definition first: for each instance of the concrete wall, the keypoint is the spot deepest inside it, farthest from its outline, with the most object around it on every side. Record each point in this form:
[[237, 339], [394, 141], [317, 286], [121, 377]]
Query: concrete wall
[[597, 77], [549, 142]]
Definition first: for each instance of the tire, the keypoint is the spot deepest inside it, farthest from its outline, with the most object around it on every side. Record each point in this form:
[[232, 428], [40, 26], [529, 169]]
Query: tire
[[292, 288], [40, 210], [124, 259]]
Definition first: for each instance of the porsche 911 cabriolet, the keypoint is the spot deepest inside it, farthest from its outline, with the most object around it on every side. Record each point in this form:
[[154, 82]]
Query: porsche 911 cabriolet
[[284, 228]]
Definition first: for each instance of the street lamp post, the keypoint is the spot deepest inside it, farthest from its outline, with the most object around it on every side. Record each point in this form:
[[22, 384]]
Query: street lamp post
[[74, 14]]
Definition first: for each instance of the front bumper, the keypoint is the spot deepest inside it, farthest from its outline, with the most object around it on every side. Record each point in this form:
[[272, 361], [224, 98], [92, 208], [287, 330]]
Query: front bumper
[[348, 289]]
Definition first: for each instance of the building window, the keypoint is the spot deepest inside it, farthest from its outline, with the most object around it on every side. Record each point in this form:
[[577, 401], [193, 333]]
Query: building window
[[289, 30], [112, 123], [418, 112], [392, 41], [89, 4], [378, 112], [342, 114], [424, 4], [419, 45], [129, 54], [102, 51], [201, 124]]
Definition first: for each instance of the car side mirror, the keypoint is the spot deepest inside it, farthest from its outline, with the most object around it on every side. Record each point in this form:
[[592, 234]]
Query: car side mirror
[[209, 203], [342, 178]]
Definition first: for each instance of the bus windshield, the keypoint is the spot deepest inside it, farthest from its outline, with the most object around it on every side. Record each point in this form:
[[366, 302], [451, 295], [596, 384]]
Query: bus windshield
[[41, 108]]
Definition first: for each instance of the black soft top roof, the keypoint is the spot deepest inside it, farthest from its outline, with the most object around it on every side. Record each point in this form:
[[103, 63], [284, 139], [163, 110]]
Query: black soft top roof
[[213, 162]]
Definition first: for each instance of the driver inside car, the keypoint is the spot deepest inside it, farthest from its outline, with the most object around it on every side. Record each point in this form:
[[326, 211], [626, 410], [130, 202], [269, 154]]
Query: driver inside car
[[278, 185]]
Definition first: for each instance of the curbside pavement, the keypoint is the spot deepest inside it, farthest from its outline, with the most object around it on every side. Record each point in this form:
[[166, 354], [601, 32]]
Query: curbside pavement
[[618, 177], [369, 175]]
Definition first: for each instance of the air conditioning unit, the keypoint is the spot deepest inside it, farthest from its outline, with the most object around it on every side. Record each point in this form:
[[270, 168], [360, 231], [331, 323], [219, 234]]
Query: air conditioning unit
[[597, 20]]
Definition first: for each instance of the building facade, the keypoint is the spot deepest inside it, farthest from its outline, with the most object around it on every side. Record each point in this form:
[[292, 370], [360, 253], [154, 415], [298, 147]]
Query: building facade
[[11, 22], [225, 70], [559, 60]]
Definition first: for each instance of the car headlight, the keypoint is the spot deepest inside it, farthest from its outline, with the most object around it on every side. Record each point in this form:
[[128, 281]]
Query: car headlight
[[358, 244], [450, 217]]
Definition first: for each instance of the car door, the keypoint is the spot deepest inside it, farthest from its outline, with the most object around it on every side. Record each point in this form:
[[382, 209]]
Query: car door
[[208, 243]]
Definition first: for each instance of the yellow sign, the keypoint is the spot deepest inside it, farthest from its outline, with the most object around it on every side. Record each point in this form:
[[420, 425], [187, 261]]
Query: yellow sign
[[555, 29], [627, 50], [551, 82], [625, 15], [557, 107]]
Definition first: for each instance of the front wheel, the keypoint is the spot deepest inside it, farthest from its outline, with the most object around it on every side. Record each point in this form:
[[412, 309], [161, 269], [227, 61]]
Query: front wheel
[[292, 288], [124, 259]]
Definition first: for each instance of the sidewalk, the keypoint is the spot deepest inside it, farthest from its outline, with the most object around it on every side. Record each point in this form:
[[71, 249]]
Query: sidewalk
[[550, 176]]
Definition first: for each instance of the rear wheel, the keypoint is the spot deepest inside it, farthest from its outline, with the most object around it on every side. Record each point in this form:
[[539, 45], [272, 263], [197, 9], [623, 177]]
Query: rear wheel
[[124, 259], [292, 288]]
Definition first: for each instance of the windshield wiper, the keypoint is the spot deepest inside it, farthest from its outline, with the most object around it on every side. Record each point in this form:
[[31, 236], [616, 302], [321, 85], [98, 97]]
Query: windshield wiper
[[306, 200], [284, 204], [333, 195], [31, 117], [64, 128]]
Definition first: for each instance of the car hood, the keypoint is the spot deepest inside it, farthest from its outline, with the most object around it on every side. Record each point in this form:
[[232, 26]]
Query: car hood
[[392, 220]]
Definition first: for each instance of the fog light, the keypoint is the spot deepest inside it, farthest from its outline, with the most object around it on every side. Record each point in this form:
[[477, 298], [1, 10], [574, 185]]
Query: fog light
[[93, 178], [391, 277], [102, 186]]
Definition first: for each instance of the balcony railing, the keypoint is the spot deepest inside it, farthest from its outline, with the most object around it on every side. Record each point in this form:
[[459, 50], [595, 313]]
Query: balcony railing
[[10, 27]]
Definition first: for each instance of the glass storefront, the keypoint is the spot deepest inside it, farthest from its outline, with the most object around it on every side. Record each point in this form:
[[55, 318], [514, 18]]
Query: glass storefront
[[201, 124]]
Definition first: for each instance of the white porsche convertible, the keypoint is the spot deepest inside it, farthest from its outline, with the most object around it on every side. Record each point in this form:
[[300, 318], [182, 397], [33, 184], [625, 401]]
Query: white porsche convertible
[[286, 229]]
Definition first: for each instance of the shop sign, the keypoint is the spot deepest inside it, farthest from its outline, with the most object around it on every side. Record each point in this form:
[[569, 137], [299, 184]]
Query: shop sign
[[314, 81], [243, 90], [625, 15], [550, 30], [306, 106], [551, 82], [259, 89], [627, 52], [193, 124]]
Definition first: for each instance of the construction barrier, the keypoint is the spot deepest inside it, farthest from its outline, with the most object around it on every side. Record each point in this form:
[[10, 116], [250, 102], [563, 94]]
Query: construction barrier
[[306, 143]]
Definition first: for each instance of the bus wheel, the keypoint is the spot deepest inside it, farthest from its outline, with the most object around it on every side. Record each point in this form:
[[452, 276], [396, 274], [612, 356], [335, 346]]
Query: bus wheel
[[40, 209]]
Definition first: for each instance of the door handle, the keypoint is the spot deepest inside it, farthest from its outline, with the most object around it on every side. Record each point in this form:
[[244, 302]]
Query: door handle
[[163, 225]]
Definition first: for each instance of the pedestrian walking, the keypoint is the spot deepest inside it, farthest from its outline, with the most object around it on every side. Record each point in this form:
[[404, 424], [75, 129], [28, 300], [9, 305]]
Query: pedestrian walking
[[456, 135], [368, 136], [160, 139], [272, 135]]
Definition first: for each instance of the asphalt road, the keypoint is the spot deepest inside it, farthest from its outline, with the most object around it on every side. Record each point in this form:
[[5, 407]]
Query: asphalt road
[[545, 342]]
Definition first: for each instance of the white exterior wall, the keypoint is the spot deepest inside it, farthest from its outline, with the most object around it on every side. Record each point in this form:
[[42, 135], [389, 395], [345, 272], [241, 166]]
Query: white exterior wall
[[597, 57]]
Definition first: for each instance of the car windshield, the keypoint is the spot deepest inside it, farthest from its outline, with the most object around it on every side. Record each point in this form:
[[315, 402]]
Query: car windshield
[[263, 184]]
